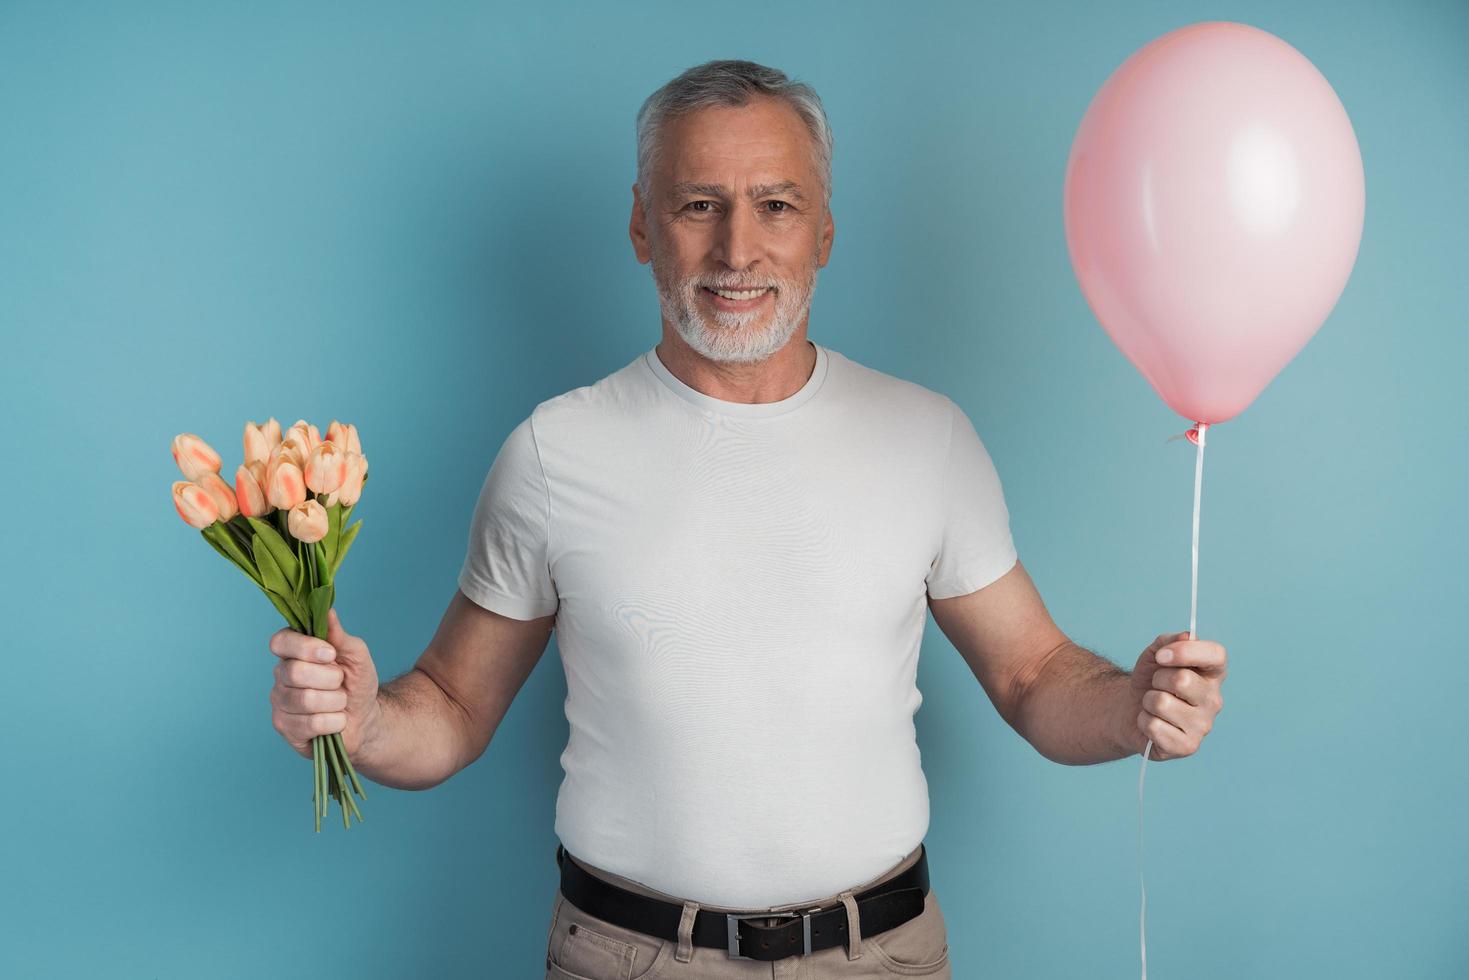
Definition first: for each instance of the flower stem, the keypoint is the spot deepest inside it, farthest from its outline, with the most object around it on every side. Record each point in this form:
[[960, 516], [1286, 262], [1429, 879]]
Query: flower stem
[[351, 772], [321, 772], [316, 783], [337, 769], [339, 752]]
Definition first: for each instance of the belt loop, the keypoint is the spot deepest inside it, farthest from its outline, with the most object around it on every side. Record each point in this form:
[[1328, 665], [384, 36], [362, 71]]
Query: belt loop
[[686, 932], [854, 928]]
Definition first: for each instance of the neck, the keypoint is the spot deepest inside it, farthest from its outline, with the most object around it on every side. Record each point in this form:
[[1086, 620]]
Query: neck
[[774, 379]]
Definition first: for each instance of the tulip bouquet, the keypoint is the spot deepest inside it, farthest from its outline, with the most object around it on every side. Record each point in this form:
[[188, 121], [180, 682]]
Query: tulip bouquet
[[284, 524]]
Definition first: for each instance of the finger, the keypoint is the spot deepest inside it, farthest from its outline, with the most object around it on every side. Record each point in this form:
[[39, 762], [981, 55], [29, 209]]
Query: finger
[[1204, 654], [1170, 738], [1192, 721], [1165, 638], [303, 728], [299, 673], [1185, 683], [290, 644], [308, 701]]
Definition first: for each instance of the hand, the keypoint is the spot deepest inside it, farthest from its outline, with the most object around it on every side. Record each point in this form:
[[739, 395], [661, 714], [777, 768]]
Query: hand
[[318, 695], [1180, 697]]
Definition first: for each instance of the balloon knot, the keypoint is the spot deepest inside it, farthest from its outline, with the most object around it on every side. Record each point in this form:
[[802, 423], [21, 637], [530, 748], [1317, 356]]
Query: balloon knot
[[1192, 435]]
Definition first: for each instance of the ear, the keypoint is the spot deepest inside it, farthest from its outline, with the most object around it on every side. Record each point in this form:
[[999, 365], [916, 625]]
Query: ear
[[637, 229], [828, 232]]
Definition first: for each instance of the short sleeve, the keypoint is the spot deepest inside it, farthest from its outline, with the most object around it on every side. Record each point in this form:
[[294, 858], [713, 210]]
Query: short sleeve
[[506, 568], [975, 545]]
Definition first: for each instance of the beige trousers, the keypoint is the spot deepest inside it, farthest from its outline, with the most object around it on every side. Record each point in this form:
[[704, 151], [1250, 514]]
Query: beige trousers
[[583, 947]]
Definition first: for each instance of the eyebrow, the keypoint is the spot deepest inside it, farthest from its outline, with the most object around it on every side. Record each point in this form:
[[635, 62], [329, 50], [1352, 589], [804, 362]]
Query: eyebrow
[[787, 187]]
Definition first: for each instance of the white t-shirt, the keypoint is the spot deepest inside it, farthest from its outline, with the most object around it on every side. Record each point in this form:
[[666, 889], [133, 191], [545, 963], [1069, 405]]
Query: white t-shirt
[[739, 593]]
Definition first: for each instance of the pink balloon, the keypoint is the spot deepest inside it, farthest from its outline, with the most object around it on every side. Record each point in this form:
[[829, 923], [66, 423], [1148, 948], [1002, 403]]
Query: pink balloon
[[1214, 201]]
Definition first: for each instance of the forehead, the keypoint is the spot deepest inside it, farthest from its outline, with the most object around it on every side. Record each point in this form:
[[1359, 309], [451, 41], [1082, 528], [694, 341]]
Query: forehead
[[765, 140]]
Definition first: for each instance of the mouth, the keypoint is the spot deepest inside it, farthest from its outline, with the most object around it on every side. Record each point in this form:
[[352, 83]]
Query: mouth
[[737, 300]]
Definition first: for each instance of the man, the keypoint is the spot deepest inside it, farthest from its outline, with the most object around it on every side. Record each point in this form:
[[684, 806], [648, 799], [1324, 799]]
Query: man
[[737, 536]]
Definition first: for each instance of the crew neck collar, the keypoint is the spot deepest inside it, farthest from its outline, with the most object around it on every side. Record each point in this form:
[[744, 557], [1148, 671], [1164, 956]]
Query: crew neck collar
[[743, 410]]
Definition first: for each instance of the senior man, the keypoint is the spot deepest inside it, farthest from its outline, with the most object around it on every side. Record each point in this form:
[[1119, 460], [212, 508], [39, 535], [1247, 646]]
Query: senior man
[[737, 537]]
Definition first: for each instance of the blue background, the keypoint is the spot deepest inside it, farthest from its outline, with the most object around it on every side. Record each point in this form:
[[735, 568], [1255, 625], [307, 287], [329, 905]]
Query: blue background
[[415, 219]]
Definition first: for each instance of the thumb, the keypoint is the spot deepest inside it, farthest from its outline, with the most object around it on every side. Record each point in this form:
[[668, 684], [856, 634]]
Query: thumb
[[348, 647]]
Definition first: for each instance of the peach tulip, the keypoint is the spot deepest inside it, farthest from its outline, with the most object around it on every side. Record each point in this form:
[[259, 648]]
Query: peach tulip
[[250, 492], [351, 489], [310, 436], [291, 449], [326, 467], [286, 487], [284, 453], [298, 441], [220, 492], [194, 504], [307, 521], [259, 442], [345, 436], [257, 470], [194, 455]]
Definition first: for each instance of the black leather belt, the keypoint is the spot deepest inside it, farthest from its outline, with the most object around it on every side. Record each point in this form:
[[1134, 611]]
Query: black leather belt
[[879, 908]]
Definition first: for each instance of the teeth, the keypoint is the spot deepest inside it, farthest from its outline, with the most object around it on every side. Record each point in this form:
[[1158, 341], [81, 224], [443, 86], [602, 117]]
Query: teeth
[[743, 294]]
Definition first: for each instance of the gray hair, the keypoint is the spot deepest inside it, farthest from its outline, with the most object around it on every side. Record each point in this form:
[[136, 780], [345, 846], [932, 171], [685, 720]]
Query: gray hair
[[730, 84]]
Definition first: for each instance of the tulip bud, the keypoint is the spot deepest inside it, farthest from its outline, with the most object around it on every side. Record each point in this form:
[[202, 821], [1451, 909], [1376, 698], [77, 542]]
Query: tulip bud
[[257, 443], [272, 430], [194, 455], [220, 492], [326, 468], [298, 441], [258, 471], [344, 435], [310, 436], [351, 489], [194, 504], [250, 492], [291, 450], [307, 521], [286, 487], [284, 453]]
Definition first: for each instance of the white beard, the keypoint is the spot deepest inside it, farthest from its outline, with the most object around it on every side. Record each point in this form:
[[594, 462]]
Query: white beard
[[731, 337]]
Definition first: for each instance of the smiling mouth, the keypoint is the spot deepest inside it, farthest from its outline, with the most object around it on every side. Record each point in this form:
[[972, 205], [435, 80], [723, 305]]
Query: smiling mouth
[[738, 295]]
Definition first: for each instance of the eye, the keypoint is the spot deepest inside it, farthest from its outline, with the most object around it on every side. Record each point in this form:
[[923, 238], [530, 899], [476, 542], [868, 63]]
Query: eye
[[783, 206], [695, 206]]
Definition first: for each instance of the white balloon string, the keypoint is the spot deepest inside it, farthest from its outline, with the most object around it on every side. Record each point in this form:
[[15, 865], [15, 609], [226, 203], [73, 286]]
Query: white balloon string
[[1193, 612], [1193, 607]]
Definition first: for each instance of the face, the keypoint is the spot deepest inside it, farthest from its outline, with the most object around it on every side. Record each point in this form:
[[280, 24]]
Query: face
[[736, 228]]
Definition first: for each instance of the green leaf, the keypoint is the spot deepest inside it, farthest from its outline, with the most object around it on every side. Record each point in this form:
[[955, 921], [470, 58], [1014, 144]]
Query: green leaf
[[223, 541], [285, 610], [323, 564], [279, 550], [272, 579], [320, 601], [333, 532], [210, 535], [270, 571], [348, 536]]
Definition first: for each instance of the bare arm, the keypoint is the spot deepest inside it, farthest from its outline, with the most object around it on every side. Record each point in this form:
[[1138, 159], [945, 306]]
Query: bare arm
[[1071, 705], [440, 716], [1077, 708]]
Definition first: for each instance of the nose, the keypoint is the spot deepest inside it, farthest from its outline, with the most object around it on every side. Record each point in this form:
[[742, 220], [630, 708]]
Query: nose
[[738, 242]]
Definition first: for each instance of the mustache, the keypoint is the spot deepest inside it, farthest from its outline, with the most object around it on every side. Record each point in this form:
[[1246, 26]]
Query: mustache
[[707, 281]]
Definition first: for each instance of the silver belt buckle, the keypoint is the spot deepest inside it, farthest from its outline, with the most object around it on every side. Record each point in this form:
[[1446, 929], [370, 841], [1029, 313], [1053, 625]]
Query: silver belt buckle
[[732, 919]]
